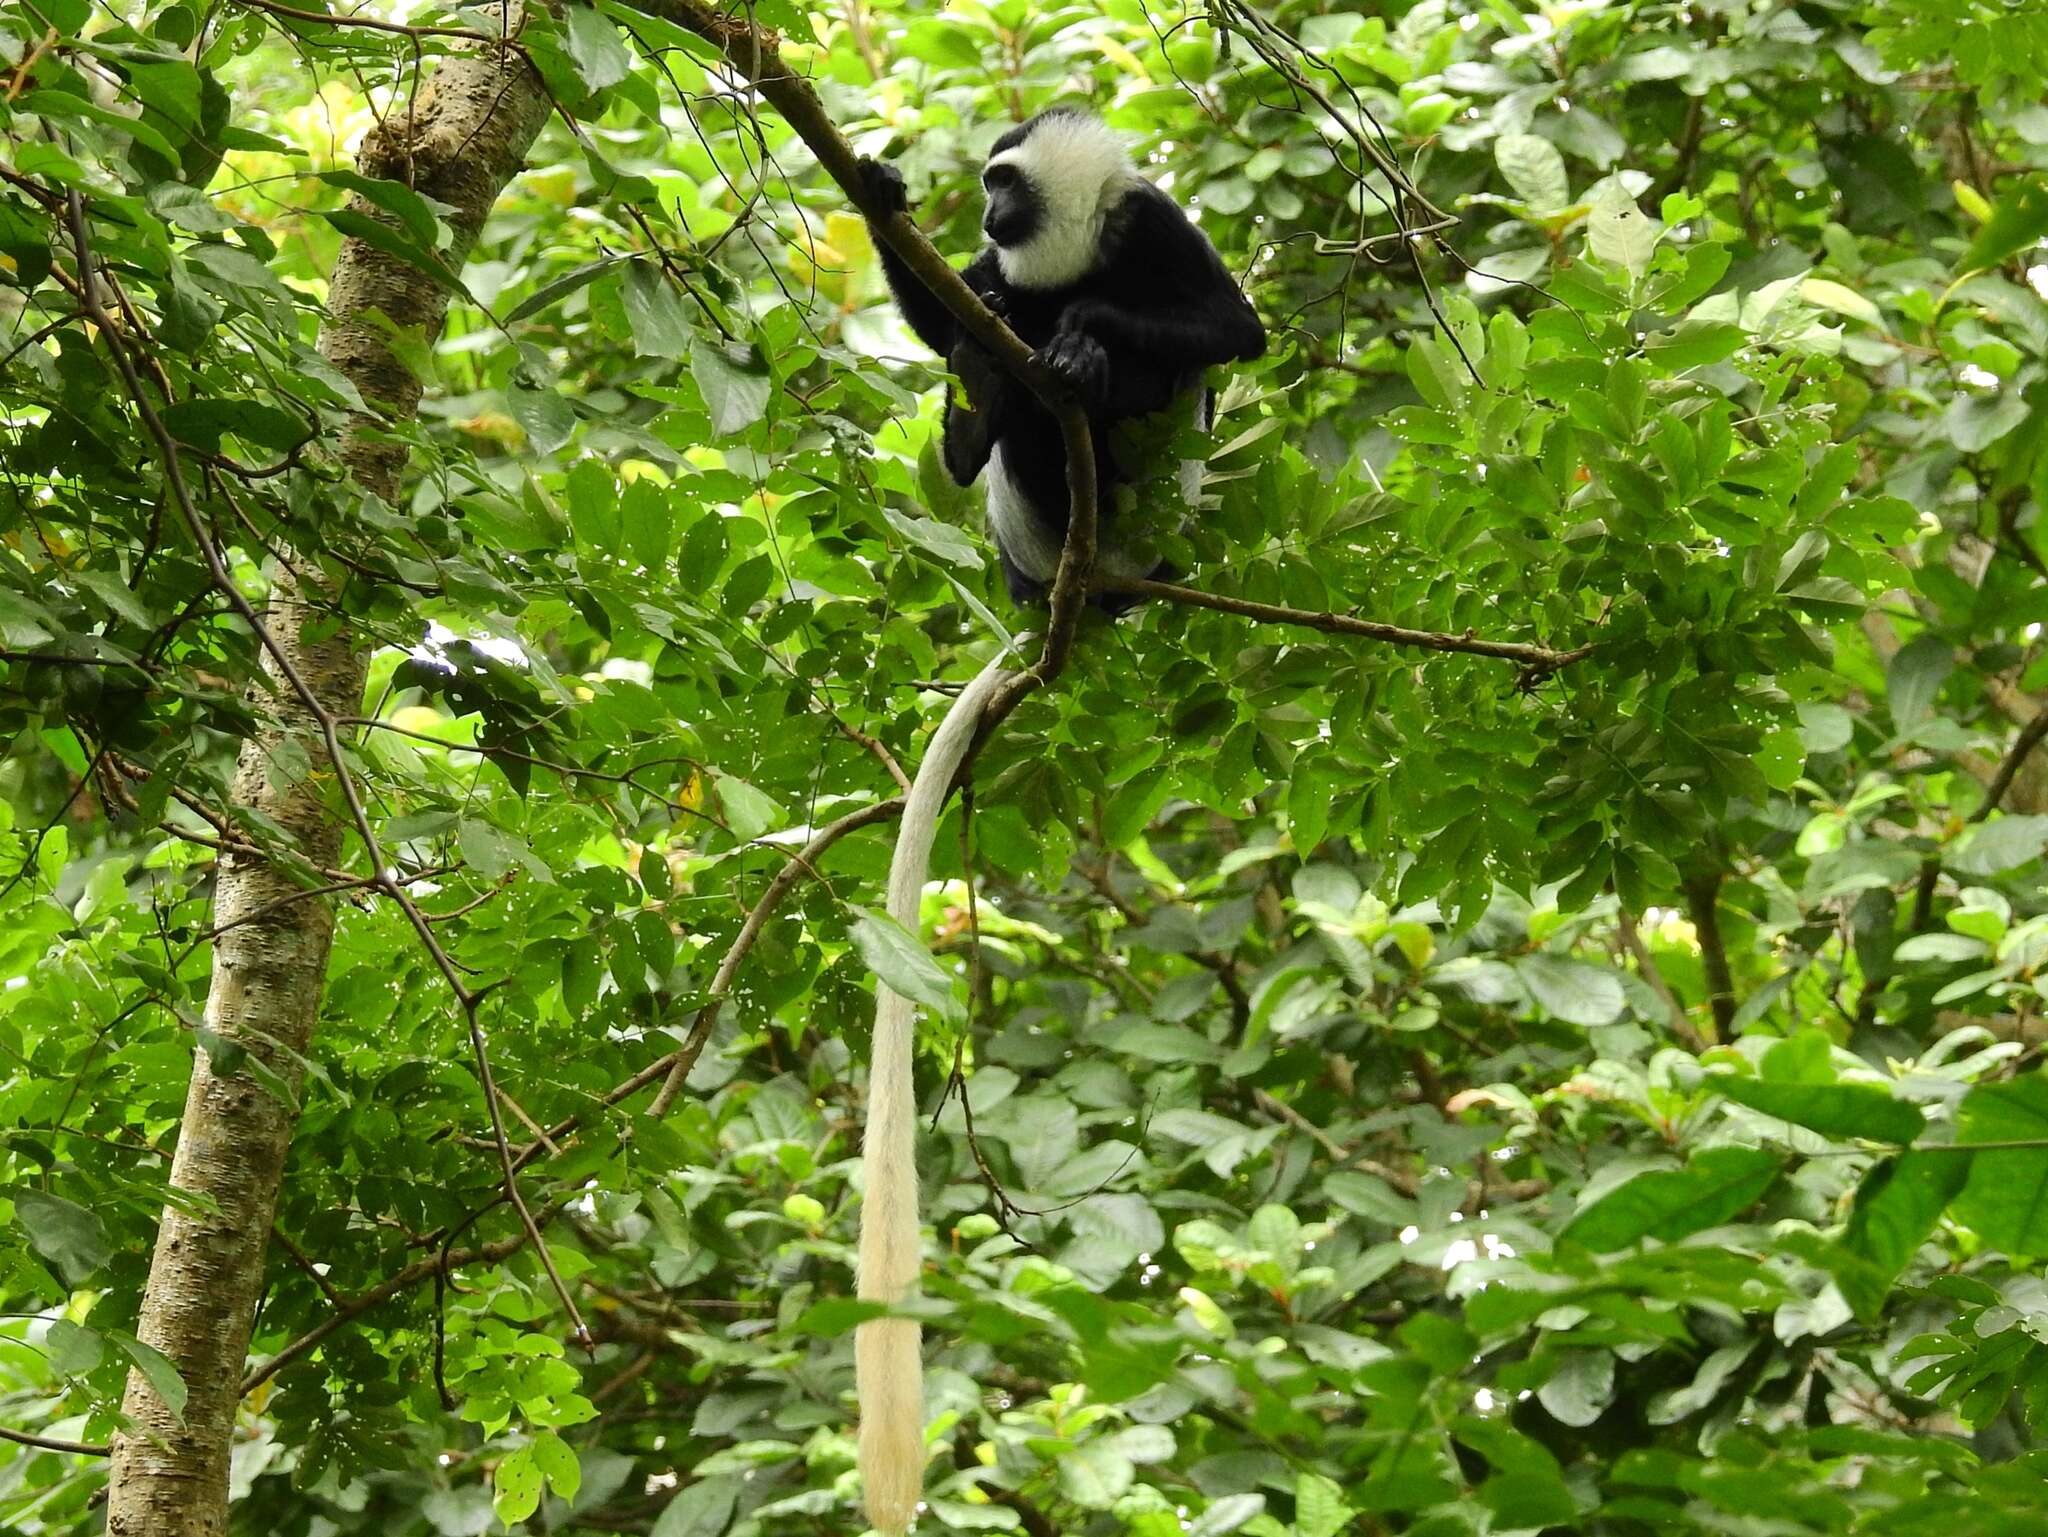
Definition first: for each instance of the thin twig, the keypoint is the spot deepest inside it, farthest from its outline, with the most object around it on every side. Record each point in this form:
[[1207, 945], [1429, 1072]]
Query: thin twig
[[1539, 660], [52, 1444], [685, 1058]]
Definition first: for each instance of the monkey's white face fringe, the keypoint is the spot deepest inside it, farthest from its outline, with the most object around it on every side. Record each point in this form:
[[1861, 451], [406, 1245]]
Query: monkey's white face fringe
[[1081, 170], [888, 1365]]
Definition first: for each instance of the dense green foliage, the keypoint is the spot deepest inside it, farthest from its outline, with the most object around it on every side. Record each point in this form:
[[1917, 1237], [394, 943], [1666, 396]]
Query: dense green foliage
[[1409, 1093]]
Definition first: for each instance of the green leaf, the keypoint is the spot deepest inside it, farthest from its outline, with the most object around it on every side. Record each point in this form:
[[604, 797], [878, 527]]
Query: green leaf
[[836, 1316], [157, 1370], [1715, 1186], [1319, 1506], [704, 1509], [1842, 300], [416, 214], [397, 244], [2018, 221], [69, 1236], [702, 554], [63, 106], [2006, 1196], [748, 811], [1528, 1501], [734, 384], [1617, 232], [644, 511], [2001, 844], [1975, 422], [1840, 1110], [952, 547], [71, 1348], [545, 417], [1095, 1476], [595, 46], [1915, 675], [203, 422], [563, 286], [517, 1485], [1534, 168], [1226, 1515], [1897, 1205], [557, 1462], [896, 955], [188, 208], [1578, 993], [1580, 1389], [654, 311]]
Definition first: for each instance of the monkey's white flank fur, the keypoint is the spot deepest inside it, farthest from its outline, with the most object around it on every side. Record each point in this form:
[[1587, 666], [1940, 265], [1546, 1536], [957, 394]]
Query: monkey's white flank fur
[[888, 1364]]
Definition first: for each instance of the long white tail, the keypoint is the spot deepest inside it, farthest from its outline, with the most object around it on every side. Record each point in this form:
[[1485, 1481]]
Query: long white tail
[[888, 1365]]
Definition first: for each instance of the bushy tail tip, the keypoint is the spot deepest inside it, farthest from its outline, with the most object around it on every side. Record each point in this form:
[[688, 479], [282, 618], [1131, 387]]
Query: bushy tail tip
[[889, 1370]]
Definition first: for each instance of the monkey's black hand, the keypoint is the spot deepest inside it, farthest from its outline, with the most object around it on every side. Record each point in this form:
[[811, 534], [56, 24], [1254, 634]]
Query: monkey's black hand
[[1077, 360], [884, 186]]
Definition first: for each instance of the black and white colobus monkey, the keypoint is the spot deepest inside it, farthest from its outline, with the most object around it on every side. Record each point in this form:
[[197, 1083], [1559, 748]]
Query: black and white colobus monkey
[[1118, 293], [1102, 274]]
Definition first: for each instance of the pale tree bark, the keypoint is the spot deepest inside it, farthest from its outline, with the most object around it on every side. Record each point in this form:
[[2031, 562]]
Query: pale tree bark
[[463, 140]]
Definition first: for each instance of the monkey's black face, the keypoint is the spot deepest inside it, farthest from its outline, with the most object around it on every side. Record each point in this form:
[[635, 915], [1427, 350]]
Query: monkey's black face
[[1015, 210]]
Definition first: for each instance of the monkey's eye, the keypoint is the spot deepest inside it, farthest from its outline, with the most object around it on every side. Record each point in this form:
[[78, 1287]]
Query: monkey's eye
[[997, 177]]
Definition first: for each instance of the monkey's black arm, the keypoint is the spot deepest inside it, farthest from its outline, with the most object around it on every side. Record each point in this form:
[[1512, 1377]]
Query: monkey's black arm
[[974, 424], [921, 309], [1224, 329]]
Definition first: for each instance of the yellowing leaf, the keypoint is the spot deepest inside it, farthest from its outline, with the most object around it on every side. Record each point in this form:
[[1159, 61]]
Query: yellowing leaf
[[1121, 56], [1842, 300]]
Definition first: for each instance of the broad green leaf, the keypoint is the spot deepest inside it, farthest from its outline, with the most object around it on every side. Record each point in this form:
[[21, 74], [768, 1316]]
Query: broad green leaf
[[1580, 1389], [654, 310], [1226, 1515], [1830, 295], [2006, 1196], [71, 1348], [1897, 1206], [1618, 232], [517, 1484], [1915, 675], [1841, 1110], [594, 43], [735, 387], [2018, 220], [1095, 1475], [157, 1370], [561, 287], [1574, 991], [1714, 1186], [897, 957], [398, 243], [69, 1236], [749, 812], [558, 1464], [1532, 165]]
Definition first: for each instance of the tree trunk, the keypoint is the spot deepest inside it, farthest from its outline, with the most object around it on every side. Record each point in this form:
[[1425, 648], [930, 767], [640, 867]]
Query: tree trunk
[[465, 138]]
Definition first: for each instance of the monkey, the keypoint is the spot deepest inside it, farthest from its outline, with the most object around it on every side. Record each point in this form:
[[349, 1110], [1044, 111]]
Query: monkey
[[1127, 303], [1120, 296]]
